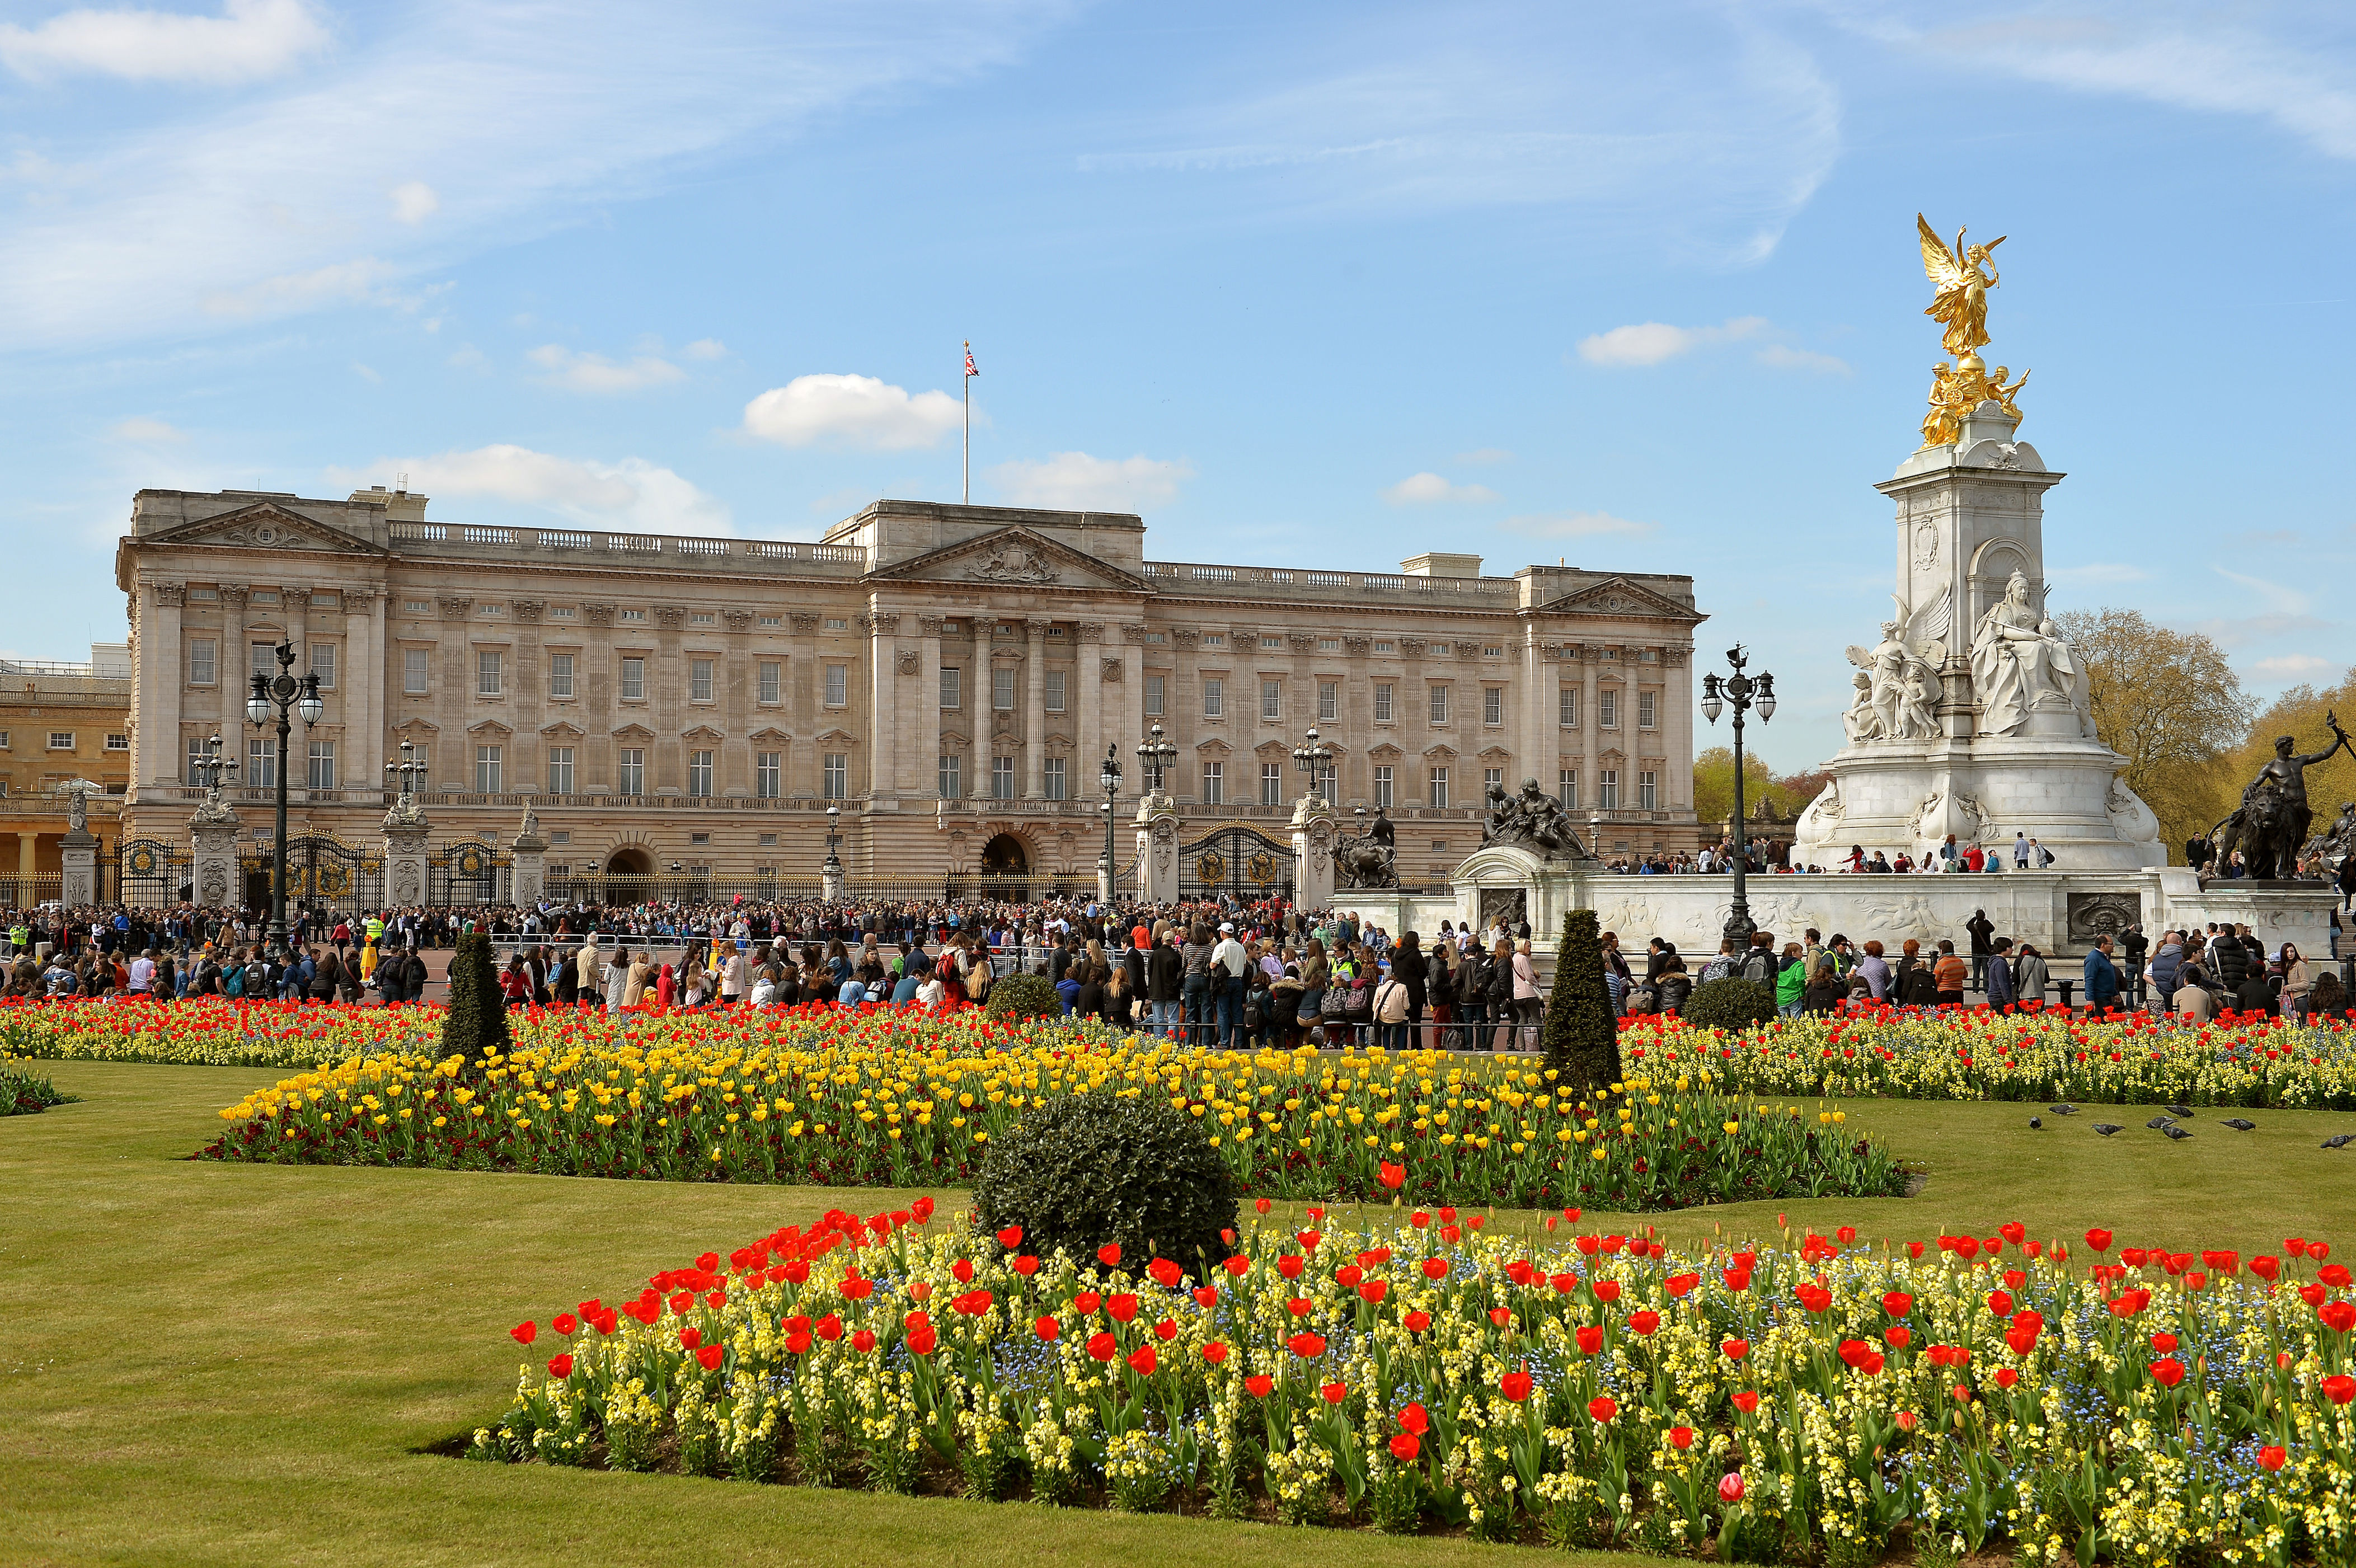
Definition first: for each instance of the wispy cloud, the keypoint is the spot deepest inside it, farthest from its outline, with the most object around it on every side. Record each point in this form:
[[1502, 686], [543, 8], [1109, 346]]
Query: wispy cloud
[[1575, 525], [1691, 127], [145, 432], [704, 348], [851, 410], [1485, 455], [1074, 481], [250, 39], [2184, 56], [2289, 667], [414, 201], [518, 126], [580, 372], [1783, 357], [632, 494], [1425, 489], [1652, 342]]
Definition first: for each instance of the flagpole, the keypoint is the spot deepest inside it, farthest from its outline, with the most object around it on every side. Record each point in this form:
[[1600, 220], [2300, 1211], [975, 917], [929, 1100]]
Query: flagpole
[[965, 461]]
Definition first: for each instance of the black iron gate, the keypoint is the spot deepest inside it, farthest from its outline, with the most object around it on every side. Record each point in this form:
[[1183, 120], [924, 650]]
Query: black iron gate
[[323, 872], [1236, 860], [465, 871], [150, 872]]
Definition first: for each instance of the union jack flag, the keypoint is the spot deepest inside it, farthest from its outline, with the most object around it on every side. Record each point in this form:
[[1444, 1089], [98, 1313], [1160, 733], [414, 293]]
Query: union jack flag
[[969, 361]]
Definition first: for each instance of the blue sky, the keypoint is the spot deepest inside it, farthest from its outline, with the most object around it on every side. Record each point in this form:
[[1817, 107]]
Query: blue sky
[[1310, 285]]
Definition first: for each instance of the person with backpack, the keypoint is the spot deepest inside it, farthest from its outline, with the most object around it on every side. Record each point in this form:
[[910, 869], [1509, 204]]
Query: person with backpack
[[1473, 978]]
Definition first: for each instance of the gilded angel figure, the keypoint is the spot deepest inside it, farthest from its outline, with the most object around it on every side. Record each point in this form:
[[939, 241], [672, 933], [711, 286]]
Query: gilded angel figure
[[1963, 285]]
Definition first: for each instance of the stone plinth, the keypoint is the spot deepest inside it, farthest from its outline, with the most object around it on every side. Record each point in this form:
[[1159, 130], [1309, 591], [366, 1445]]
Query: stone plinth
[[405, 857], [212, 852], [1312, 852], [77, 868], [1157, 848], [528, 875]]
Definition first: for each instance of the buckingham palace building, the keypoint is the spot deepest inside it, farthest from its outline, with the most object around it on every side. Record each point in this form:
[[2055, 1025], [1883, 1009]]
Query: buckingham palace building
[[948, 677]]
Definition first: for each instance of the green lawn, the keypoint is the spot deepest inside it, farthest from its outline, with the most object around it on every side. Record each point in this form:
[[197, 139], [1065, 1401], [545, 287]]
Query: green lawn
[[239, 1364]]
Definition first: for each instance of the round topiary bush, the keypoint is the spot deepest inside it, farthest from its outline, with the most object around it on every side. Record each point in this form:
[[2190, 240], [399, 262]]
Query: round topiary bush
[[1020, 996], [476, 1022], [1731, 1004], [1079, 1172]]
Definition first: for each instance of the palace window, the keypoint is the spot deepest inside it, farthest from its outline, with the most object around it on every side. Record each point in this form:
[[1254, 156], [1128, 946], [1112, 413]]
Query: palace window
[[1215, 698], [1489, 777], [838, 775], [263, 657], [559, 771], [1153, 696], [1647, 789], [952, 686], [634, 680], [838, 685], [631, 770], [769, 620], [489, 672], [1271, 643], [1493, 704], [1055, 779], [1271, 699], [322, 775], [1607, 790], [1383, 787], [952, 781], [1566, 788], [1646, 702], [1568, 698], [1215, 783], [1329, 781], [197, 757], [1606, 709], [699, 680], [1493, 651], [699, 775], [699, 617], [836, 623], [1329, 701], [560, 675], [1438, 798], [61, 740], [632, 615], [1440, 705], [1001, 778], [413, 671], [1001, 688], [771, 683], [1382, 701], [1272, 783], [262, 763], [117, 741], [201, 661], [768, 775], [488, 769], [1055, 691]]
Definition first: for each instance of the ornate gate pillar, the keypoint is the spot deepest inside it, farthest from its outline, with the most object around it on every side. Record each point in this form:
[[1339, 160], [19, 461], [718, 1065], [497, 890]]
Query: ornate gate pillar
[[1157, 848], [212, 851], [530, 851], [78, 855], [1312, 852], [406, 829]]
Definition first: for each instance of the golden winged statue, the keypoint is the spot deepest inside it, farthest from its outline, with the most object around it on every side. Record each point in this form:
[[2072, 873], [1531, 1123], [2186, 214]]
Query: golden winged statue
[[1963, 278]]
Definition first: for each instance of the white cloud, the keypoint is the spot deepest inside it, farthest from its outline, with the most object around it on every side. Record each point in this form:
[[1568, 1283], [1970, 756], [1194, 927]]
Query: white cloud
[[414, 201], [469, 357], [1485, 455], [354, 282], [146, 432], [1575, 525], [705, 348], [1426, 487], [368, 373], [520, 121], [851, 410], [632, 495], [1783, 357], [1074, 481], [250, 39], [2186, 56], [1651, 342], [595, 373], [2288, 667]]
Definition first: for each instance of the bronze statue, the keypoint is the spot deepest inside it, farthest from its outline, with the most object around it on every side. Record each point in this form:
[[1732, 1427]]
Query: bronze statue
[[1533, 819], [1370, 860], [2271, 822]]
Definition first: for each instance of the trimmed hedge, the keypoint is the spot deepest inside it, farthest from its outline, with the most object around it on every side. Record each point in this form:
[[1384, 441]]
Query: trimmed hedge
[[1581, 1034], [1092, 1169], [1020, 996], [1733, 1003]]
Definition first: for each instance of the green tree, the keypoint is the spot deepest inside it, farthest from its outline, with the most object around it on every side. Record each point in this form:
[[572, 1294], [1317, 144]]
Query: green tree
[[1714, 786], [1581, 1034], [2168, 703], [474, 1024]]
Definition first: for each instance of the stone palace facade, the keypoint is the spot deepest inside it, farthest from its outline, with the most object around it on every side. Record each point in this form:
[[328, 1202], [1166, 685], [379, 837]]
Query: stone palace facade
[[948, 676]]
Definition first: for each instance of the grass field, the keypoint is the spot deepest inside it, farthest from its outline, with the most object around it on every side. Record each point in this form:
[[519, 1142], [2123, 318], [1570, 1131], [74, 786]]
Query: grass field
[[240, 1364]]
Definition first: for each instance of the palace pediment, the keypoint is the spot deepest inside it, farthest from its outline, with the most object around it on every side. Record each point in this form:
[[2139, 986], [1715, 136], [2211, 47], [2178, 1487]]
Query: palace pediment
[[1619, 597], [1012, 557], [264, 526]]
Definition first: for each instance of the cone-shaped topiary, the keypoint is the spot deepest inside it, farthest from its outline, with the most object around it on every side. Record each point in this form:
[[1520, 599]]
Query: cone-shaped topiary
[[1094, 1169], [476, 1022], [1021, 997], [1582, 1036], [1733, 1003]]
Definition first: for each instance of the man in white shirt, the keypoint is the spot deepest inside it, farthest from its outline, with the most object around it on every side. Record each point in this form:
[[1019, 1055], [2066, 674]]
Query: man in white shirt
[[142, 974], [1229, 959]]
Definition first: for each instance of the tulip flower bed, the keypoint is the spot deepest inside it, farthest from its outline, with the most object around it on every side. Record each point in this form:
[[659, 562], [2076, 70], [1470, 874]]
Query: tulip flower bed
[[210, 1031], [2245, 1059], [905, 1098], [1758, 1401]]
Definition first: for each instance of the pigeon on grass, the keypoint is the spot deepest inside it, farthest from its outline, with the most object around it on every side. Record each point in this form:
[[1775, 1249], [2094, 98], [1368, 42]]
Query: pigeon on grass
[[2340, 1141], [2177, 1110], [2107, 1127], [2176, 1132], [2240, 1125], [2064, 1109]]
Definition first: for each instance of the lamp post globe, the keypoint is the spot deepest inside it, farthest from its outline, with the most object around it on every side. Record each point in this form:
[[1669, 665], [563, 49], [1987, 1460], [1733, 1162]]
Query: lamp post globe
[[283, 697], [1742, 692]]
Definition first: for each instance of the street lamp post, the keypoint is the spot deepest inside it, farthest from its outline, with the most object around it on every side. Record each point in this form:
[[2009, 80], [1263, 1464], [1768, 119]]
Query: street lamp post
[[213, 768], [1743, 693], [831, 874], [1313, 757], [283, 695], [406, 775], [1108, 777], [1154, 755]]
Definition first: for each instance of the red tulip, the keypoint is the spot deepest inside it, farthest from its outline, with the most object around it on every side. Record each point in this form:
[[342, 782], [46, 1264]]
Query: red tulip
[[1290, 1265], [1898, 1304], [688, 1338], [1405, 1447], [525, 1333], [1603, 1407], [2167, 1372], [829, 1329], [1237, 1266], [1011, 1238], [1644, 1323], [1392, 1176], [1730, 1487], [2338, 1316], [1110, 1254], [2336, 1276], [1590, 1339], [1263, 1205], [1679, 1286], [1214, 1352], [2267, 1266], [1308, 1346], [1165, 1272], [1045, 1327], [1103, 1346], [1515, 1386], [560, 1366], [1417, 1321], [564, 1323], [1026, 1265], [2339, 1390], [1898, 1337], [1415, 1419], [1260, 1385], [1142, 1361], [1334, 1393], [2271, 1457], [2005, 1377], [1120, 1308], [1736, 1349], [1681, 1438], [1999, 1304], [923, 1339], [2165, 1343], [1435, 1268], [1501, 1315]]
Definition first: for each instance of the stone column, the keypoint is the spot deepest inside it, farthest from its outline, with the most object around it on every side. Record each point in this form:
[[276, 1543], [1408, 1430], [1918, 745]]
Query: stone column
[[882, 628], [530, 854], [158, 754], [927, 727], [1312, 852], [406, 830], [212, 851], [1087, 655], [1591, 725], [1035, 710], [1156, 846]]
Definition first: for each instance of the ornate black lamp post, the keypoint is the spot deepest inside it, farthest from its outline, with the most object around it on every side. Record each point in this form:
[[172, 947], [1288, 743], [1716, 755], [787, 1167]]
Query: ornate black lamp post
[[1109, 779], [1744, 694], [407, 775], [1154, 755], [1313, 757], [213, 768], [285, 695]]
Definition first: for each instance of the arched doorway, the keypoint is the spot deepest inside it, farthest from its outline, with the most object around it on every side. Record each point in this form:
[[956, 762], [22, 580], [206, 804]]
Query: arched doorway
[[1006, 868], [630, 861]]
